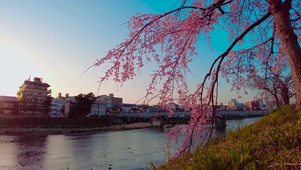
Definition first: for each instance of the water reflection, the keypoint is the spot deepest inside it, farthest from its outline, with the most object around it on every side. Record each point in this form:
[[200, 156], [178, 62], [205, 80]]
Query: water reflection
[[21, 151], [30, 149], [132, 149], [117, 150], [59, 152], [8, 158]]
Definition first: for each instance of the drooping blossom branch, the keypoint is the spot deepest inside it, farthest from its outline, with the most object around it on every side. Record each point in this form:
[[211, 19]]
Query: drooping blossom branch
[[170, 40]]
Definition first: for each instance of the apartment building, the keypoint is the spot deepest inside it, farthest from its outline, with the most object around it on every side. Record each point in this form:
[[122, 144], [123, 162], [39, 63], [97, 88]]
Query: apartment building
[[113, 104], [70, 106], [9, 105], [233, 103], [57, 108], [110, 100], [98, 108], [31, 96]]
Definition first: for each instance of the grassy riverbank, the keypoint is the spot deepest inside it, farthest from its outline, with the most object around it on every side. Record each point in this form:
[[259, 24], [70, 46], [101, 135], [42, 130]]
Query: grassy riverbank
[[273, 142], [16, 131]]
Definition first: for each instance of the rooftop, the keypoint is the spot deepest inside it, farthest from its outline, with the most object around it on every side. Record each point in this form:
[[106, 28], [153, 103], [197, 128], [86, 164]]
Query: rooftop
[[8, 98]]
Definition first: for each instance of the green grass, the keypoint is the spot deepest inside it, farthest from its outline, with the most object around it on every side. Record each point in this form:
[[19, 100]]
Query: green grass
[[274, 142]]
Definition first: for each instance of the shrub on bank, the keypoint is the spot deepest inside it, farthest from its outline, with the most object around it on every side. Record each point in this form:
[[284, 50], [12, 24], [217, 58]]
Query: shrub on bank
[[274, 142]]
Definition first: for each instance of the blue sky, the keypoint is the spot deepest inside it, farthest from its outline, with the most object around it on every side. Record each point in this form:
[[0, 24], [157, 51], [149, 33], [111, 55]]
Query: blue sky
[[58, 40]]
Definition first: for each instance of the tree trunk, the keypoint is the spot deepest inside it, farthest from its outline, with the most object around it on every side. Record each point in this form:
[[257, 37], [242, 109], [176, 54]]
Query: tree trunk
[[285, 95], [289, 41], [276, 97]]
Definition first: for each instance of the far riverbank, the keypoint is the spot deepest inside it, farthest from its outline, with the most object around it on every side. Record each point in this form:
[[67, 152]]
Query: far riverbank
[[17, 131]]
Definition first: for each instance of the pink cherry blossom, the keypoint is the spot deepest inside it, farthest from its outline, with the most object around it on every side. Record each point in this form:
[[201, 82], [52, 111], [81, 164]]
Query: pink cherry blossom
[[171, 41]]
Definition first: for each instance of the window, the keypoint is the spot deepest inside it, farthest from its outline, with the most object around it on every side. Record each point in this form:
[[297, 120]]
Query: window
[[8, 105]]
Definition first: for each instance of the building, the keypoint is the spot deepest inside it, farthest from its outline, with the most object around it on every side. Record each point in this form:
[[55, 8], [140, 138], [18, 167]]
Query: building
[[261, 104], [98, 109], [110, 100], [233, 103], [70, 106], [8, 105], [113, 104], [129, 108], [143, 108], [57, 108], [255, 104], [31, 96]]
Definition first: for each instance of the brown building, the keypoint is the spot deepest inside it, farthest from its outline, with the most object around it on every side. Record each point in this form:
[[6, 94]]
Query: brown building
[[253, 105], [31, 96], [8, 105]]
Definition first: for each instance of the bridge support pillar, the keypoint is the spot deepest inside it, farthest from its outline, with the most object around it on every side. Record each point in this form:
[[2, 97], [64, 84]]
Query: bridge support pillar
[[220, 123]]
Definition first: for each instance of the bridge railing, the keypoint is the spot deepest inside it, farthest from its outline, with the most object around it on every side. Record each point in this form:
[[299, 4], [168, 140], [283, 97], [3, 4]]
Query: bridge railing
[[151, 114], [241, 112], [185, 114]]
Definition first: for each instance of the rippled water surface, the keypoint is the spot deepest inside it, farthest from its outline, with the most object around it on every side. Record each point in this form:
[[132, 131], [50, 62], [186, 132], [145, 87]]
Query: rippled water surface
[[131, 149]]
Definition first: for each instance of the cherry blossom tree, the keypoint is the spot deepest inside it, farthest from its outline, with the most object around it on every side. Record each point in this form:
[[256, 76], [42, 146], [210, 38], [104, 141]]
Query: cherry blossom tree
[[258, 29], [285, 85], [275, 87]]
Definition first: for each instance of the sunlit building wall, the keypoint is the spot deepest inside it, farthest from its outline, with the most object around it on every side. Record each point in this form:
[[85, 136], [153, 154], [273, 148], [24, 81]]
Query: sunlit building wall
[[233, 103]]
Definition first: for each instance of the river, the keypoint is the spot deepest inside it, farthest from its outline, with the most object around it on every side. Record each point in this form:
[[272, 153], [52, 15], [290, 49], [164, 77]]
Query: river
[[130, 149]]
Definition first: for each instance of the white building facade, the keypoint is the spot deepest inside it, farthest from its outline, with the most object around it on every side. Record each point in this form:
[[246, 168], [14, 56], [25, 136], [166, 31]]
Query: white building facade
[[98, 109]]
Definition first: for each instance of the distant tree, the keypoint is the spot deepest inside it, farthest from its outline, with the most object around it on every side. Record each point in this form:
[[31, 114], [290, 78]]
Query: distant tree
[[257, 28], [286, 87], [274, 85], [266, 86], [46, 105], [84, 103]]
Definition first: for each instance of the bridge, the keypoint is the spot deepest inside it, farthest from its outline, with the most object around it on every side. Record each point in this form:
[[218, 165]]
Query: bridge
[[183, 117], [241, 114]]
